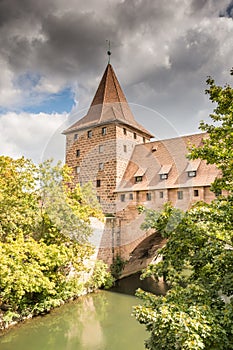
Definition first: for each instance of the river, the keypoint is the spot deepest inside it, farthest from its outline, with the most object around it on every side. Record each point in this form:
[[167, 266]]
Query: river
[[98, 321]]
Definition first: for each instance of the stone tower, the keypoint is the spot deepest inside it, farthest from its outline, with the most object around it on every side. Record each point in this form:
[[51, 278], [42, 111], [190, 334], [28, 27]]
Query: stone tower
[[99, 145]]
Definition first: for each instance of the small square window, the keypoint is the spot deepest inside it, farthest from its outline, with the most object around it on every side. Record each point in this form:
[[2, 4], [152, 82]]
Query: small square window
[[160, 194], [78, 153], [101, 166], [195, 193], [98, 183], [77, 169], [138, 178], [75, 136], [125, 148], [125, 131], [101, 148], [134, 135], [163, 176], [104, 131], [148, 196], [122, 197], [131, 196], [180, 194], [192, 173], [89, 134]]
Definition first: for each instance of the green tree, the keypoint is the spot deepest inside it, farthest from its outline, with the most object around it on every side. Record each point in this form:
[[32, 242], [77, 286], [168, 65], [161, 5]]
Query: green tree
[[217, 148], [18, 203], [197, 311], [44, 230]]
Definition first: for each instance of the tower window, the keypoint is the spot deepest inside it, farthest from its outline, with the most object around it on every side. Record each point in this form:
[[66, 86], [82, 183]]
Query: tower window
[[143, 139], [101, 166], [77, 169], [161, 194], [101, 148], [195, 193], [75, 136], [104, 131], [98, 183], [131, 196], [125, 148], [192, 173], [163, 176], [180, 194], [89, 134], [138, 178], [78, 153], [98, 199], [134, 135], [148, 196], [125, 131], [122, 197]]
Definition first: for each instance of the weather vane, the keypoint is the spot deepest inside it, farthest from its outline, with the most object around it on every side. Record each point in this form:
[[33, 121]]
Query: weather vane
[[109, 50]]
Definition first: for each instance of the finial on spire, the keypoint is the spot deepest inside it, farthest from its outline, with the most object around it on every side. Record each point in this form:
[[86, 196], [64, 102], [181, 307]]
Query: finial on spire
[[109, 50]]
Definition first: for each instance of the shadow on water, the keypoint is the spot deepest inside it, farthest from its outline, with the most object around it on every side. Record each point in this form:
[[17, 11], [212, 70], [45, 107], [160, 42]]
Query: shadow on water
[[129, 285]]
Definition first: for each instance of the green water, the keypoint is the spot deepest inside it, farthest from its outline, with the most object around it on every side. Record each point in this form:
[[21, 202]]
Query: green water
[[98, 321]]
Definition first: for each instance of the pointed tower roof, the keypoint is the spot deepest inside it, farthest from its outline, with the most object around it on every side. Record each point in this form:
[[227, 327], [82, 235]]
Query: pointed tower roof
[[109, 104]]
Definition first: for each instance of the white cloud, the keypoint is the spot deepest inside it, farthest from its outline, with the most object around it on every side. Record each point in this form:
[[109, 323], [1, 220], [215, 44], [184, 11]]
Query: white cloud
[[10, 94], [35, 136]]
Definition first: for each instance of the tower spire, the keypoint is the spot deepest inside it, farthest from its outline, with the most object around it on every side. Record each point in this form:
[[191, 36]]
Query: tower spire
[[109, 50]]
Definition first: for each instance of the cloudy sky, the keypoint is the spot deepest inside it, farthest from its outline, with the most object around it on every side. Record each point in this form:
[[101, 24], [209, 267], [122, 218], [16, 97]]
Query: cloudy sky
[[53, 54]]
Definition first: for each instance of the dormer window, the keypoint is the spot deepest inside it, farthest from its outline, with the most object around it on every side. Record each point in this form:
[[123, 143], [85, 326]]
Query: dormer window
[[192, 173], [89, 134], [139, 175], [138, 179], [192, 167], [104, 131], [164, 171], [163, 176]]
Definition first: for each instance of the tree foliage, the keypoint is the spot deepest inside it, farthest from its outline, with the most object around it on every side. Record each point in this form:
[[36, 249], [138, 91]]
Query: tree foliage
[[197, 311], [44, 230], [217, 148]]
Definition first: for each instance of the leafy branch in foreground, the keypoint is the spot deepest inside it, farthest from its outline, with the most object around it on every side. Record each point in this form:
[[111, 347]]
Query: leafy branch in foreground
[[197, 311]]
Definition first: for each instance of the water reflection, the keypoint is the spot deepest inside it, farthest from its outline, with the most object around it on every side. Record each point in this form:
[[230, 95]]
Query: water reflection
[[130, 284], [100, 321]]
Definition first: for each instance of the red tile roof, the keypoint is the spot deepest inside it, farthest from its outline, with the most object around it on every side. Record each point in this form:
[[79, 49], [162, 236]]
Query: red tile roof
[[109, 105], [170, 154]]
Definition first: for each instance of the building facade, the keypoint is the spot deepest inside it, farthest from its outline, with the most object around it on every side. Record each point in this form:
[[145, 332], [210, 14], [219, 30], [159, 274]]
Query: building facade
[[110, 149]]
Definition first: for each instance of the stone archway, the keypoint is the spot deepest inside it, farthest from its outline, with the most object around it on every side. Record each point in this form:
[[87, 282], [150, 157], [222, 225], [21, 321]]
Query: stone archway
[[143, 254]]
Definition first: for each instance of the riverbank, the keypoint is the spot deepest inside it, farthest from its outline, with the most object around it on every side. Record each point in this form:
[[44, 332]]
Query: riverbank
[[100, 278], [9, 319]]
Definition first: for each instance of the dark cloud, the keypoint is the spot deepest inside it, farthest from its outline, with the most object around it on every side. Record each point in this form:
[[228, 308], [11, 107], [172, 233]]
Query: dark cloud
[[162, 51]]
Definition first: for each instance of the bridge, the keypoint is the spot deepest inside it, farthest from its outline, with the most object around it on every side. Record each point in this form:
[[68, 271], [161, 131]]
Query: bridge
[[125, 238]]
